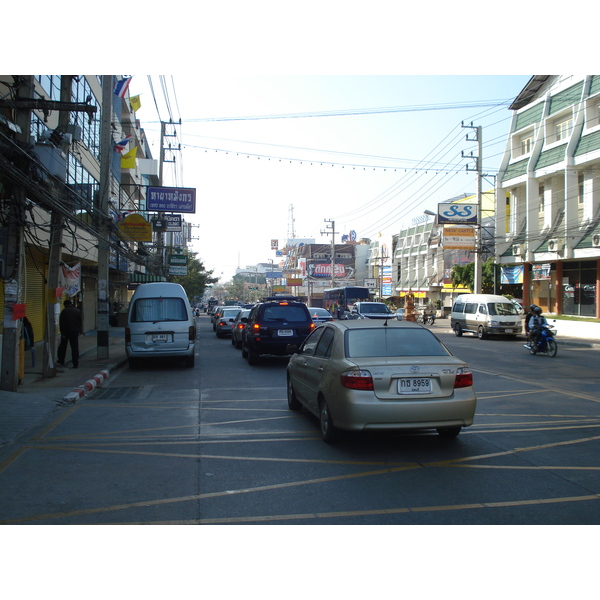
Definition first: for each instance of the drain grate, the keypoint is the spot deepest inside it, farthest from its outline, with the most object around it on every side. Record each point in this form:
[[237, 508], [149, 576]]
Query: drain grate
[[118, 393]]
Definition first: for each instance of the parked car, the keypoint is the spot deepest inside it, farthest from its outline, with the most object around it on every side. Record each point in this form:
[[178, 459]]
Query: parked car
[[274, 324], [371, 310], [237, 328], [225, 320], [368, 375], [399, 314], [319, 315], [160, 324]]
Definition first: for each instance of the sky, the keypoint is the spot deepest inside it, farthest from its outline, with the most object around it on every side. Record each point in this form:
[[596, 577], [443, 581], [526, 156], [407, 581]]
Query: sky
[[272, 156]]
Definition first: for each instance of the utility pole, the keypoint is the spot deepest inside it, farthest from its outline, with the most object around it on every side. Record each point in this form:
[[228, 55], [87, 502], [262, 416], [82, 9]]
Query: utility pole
[[332, 233], [103, 247], [55, 253], [15, 213], [478, 237]]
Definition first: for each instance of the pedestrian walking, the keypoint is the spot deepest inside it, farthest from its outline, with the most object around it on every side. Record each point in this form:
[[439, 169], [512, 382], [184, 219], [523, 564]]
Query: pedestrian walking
[[71, 327]]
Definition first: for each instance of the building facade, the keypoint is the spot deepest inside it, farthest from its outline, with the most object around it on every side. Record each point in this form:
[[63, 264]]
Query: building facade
[[548, 195], [74, 163]]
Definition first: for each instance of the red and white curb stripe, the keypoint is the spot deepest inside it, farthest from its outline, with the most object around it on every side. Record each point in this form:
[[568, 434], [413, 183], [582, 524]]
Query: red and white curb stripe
[[89, 386]]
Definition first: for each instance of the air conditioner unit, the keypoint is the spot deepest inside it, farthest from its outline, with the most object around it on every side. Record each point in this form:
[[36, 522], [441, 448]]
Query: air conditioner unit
[[518, 249], [596, 240], [555, 245]]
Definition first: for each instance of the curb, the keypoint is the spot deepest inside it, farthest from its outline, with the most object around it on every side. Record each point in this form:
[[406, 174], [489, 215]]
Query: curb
[[88, 387]]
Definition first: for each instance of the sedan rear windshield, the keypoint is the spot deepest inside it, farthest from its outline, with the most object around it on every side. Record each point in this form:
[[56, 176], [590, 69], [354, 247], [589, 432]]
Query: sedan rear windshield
[[152, 310], [387, 342]]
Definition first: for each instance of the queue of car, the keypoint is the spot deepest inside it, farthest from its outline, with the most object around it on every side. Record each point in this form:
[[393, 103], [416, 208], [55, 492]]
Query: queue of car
[[370, 371]]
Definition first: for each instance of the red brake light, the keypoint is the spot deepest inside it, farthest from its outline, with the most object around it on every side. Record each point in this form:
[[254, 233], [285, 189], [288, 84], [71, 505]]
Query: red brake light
[[312, 325], [283, 303], [357, 380], [464, 378], [256, 326]]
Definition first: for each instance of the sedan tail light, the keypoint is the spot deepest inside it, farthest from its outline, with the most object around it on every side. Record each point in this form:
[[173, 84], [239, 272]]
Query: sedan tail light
[[357, 380], [464, 378]]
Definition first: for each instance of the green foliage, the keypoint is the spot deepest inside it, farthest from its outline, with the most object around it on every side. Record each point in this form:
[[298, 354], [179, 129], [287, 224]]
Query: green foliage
[[195, 282], [464, 276]]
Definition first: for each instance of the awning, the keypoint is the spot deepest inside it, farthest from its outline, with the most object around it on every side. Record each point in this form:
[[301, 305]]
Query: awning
[[144, 278]]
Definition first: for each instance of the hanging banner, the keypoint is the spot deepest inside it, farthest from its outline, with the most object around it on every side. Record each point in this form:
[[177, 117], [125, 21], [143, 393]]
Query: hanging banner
[[70, 279], [540, 271], [512, 275]]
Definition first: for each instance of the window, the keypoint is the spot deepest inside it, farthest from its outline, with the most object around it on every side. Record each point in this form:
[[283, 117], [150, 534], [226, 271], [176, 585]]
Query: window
[[392, 342], [324, 346], [541, 190], [580, 196], [563, 129], [158, 309], [526, 145]]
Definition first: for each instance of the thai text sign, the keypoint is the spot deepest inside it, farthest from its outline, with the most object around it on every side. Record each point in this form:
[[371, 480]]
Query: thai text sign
[[171, 199], [136, 228], [462, 238]]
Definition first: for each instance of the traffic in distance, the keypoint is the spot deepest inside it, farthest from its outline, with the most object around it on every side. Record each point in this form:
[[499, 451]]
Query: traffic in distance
[[353, 363]]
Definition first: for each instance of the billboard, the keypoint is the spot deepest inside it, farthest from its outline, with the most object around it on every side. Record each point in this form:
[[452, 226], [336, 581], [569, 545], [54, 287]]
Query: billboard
[[457, 213]]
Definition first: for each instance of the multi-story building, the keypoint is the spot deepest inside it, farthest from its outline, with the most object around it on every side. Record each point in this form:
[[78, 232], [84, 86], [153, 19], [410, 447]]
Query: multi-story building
[[548, 195], [54, 183], [421, 263]]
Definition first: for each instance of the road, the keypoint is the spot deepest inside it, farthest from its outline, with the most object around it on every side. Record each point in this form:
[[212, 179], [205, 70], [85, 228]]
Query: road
[[216, 444]]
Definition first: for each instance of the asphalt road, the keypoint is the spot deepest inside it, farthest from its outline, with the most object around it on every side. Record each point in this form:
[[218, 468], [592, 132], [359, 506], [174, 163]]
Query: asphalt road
[[216, 444]]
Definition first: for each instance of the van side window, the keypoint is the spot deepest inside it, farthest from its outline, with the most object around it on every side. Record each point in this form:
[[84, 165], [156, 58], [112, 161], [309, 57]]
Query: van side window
[[470, 308], [458, 307], [483, 309]]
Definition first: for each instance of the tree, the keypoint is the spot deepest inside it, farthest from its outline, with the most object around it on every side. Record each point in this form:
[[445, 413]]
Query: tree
[[464, 276], [195, 282]]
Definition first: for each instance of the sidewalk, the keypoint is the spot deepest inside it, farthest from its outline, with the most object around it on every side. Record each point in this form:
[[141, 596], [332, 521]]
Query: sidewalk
[[38, 397]]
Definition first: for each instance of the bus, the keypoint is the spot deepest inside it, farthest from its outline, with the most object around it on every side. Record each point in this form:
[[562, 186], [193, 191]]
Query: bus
[[338, 300]]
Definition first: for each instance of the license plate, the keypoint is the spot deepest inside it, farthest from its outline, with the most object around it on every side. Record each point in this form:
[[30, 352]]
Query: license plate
[[285, 332], [414, 385], [159, 337], [508, 331]]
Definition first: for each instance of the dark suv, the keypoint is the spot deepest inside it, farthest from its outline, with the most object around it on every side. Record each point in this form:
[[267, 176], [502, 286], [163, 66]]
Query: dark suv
[[272, 325]]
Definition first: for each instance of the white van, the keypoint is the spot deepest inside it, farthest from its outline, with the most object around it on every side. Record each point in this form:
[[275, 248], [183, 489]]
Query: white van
[[484, 315], [160, 324]]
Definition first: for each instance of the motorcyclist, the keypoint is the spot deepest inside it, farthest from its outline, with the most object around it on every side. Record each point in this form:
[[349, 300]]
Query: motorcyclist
[[535, 324], [530, 314]]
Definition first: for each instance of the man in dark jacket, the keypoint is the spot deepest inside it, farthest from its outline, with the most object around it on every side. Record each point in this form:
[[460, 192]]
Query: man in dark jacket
[[71, 327]]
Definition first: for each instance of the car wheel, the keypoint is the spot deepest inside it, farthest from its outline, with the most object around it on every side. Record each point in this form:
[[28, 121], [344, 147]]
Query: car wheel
[[458, 330], [552, 348], [481, 332], [244, 350], [238, 344], [232, 341], [190, 361], [293, 402], [449, 432], [133, 363], [329, 432]]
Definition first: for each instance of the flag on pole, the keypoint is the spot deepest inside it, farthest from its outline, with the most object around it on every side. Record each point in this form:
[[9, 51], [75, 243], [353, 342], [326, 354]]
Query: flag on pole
[[120, 146], [122, 86], [135, 102], [128, 160]]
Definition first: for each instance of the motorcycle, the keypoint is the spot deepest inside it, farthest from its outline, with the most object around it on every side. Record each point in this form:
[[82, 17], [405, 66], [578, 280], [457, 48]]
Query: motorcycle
[[426, 319], [545, 342]]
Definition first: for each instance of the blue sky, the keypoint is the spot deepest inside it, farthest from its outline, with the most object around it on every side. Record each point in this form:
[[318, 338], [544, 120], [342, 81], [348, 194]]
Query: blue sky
[[371, 172]]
